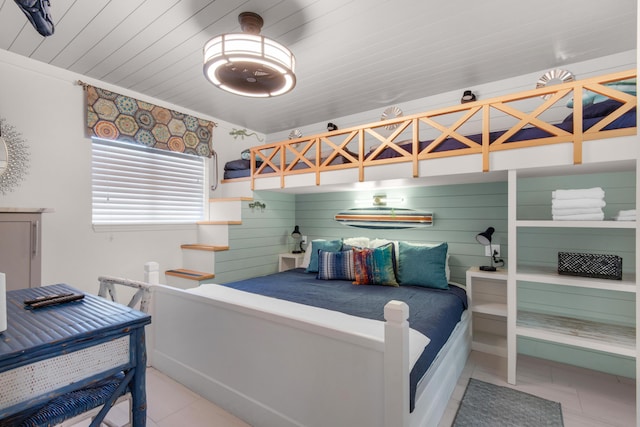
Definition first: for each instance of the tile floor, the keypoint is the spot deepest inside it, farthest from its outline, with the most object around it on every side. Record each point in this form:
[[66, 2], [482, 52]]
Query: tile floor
[[588, 398]]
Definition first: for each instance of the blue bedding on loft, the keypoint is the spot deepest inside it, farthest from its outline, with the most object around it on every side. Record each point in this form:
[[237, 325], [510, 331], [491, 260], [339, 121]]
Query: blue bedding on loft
[[601, 110], [592, 115], [433, 312]]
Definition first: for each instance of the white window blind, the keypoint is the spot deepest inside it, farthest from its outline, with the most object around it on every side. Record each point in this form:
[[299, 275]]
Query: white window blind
[[133, 184]]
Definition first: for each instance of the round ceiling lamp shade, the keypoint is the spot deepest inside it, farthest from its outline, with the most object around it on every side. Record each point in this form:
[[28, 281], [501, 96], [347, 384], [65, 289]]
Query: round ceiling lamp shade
[[249, 64]]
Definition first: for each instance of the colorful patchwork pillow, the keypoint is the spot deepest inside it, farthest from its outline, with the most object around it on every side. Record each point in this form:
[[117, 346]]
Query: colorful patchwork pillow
[[335, 265], [423, 265], [375, 266]]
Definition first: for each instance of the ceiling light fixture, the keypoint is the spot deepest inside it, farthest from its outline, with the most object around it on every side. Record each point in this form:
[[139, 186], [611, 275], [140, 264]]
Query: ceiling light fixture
[[247, 63]]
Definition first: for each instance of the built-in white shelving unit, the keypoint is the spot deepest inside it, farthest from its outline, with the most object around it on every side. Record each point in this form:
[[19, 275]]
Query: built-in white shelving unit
[[563, 329], [487, 292]]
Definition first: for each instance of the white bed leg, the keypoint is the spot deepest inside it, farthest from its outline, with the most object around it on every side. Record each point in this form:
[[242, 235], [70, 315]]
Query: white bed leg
[[396, 364]]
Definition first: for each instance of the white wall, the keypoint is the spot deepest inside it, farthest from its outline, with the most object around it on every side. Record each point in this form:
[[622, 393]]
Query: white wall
[[229, 147], [47, 107]]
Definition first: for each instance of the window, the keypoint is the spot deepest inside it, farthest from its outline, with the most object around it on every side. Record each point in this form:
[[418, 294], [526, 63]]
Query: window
[[133, 184]]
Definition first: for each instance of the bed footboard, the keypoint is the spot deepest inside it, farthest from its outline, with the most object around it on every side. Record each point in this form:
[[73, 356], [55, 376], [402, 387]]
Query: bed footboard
[[275, 371]]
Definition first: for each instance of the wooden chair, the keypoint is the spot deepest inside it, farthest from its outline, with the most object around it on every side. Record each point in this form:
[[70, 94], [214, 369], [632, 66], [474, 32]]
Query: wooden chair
[[142, 296], [140, 300], [75, 401]]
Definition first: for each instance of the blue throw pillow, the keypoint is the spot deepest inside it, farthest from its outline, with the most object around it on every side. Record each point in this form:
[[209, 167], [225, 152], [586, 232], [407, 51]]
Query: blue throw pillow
[[423, 265], [335, 265], [601, 109], [325, 245], [589, 97]]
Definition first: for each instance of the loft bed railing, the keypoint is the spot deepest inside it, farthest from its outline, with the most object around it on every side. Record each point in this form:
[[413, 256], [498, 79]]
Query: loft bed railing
[[362, 146]]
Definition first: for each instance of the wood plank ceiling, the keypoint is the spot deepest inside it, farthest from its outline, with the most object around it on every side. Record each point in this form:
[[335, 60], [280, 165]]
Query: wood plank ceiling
[[352, 56]]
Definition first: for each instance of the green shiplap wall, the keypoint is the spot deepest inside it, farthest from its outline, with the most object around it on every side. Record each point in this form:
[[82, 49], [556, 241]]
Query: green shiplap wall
[[255, 244], [460, 212], [540, 246]]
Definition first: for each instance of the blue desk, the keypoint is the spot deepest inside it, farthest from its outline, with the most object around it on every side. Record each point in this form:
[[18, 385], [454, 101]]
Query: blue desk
[[50, 351]]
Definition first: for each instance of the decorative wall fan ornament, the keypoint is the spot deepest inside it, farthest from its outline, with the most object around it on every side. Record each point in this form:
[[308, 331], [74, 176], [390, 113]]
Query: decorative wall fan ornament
[[391, 113], [295, 134], [554, 77]]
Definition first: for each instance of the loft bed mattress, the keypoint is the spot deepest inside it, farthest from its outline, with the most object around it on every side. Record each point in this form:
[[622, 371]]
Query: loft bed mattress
[[432, 312], [592, 115]]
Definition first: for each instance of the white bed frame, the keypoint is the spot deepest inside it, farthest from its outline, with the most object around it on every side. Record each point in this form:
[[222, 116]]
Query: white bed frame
[[271, 370]]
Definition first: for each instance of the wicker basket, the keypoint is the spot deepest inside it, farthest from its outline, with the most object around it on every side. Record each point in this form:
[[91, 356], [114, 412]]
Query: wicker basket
[[590, 265]]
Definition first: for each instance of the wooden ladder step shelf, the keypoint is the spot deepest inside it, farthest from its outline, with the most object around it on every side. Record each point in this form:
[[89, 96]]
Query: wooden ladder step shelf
[[201, 247], [190, 274]]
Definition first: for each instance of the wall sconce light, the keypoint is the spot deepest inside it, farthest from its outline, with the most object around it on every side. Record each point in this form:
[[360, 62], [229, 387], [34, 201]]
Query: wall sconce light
[[258, 205], [484, 239], [296, 235], [383, 200], [380, 200], [467, 96]]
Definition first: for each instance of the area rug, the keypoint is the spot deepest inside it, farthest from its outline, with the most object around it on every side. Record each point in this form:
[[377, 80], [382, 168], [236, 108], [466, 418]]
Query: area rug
[[485, 404]]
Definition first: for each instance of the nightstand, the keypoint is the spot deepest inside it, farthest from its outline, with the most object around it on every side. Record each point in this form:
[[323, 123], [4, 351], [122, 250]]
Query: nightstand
[[289, 261], [487, 293]]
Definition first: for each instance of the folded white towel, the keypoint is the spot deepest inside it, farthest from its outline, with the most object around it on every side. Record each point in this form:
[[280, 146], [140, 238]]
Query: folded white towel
[[586, 193], [575, 211], [581, 217], [577, 203], [630, 213]]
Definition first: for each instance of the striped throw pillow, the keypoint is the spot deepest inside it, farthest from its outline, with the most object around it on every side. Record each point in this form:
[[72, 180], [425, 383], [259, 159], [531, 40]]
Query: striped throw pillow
[[335, 265]]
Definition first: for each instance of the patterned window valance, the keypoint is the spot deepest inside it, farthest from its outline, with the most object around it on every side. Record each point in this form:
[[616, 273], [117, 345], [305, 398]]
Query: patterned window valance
[[117, 117]]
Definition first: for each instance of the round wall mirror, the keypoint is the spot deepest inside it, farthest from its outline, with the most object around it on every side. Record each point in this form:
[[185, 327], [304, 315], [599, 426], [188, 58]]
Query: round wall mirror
[[4, 155], [14, 157]]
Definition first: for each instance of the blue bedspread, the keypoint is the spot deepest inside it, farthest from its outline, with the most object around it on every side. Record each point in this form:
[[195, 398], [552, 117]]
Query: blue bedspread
[[433, 312]]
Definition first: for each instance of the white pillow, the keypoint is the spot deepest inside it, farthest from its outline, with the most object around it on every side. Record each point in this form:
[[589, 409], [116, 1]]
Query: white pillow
[[360, 242]]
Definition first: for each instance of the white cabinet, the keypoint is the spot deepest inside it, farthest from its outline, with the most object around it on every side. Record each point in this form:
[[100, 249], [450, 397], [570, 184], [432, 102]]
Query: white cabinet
[[547, 323], [289, 261], [487, 293]]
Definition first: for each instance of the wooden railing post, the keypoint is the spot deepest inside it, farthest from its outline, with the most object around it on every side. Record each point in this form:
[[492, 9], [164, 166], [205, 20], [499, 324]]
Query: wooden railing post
[[486, 117], [577, 126]]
